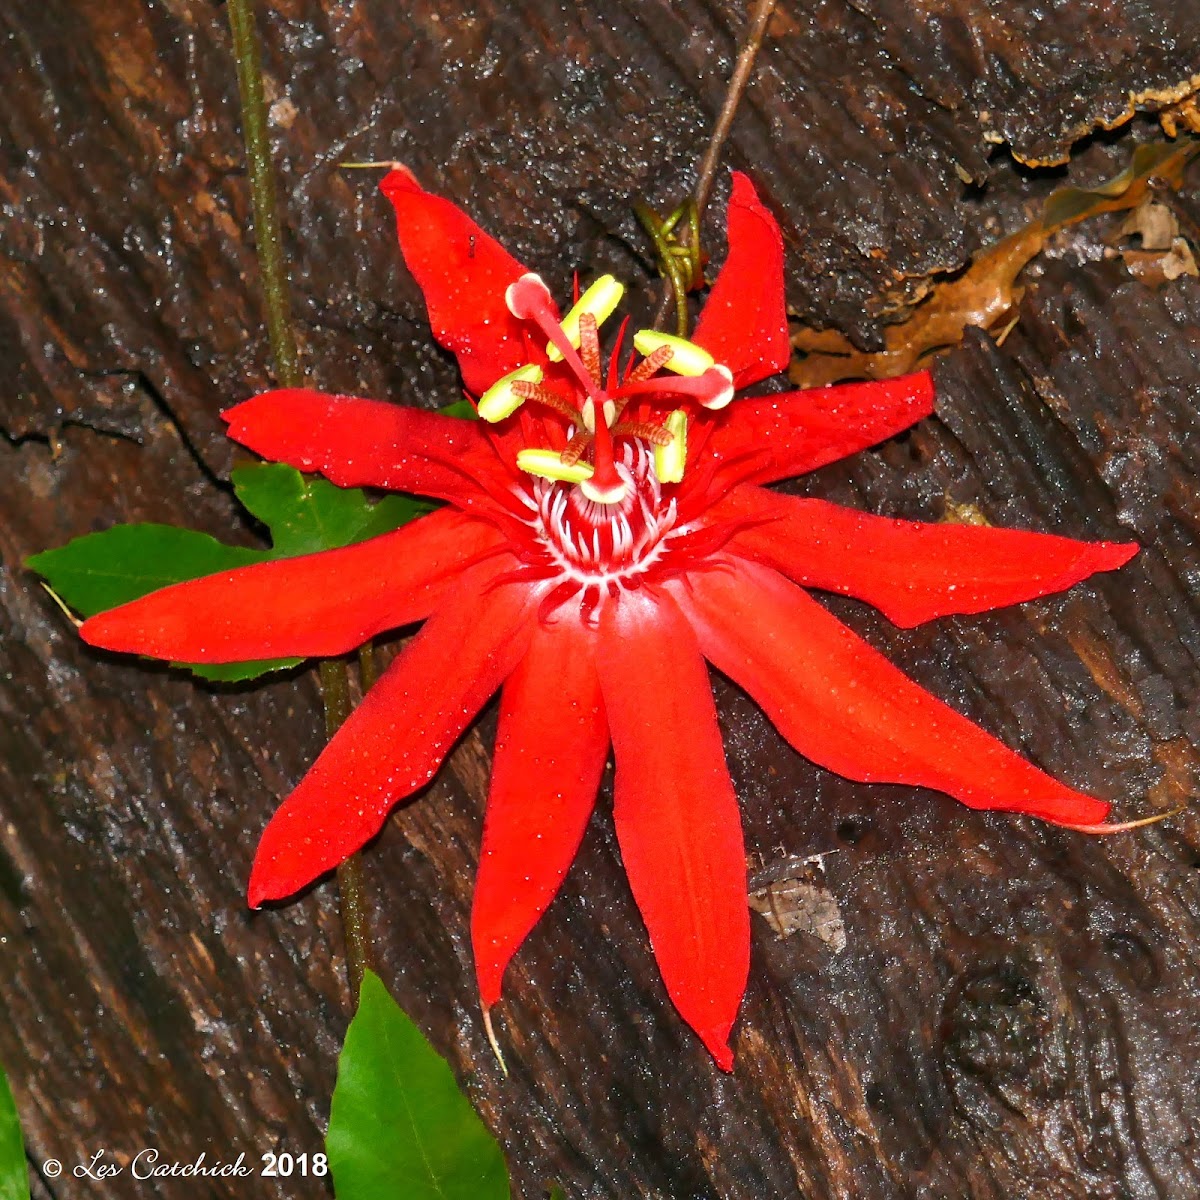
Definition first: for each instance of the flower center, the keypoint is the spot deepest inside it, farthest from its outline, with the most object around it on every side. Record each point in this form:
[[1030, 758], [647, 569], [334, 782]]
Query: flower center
[[593, 543], [594, 407]]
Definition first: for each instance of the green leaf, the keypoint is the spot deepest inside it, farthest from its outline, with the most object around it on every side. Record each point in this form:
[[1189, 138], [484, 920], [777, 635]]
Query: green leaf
[[460, 408], [399, 1126], [390, 513], [101, 570], [305, 513], [239, 672], [14, 1174]]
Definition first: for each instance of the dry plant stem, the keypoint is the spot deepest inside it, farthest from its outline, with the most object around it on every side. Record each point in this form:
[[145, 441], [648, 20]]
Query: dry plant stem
[[334, 686], [763, 11], [733, 95]]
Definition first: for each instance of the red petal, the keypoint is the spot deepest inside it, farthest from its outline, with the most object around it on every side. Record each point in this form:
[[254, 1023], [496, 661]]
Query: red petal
[[366, 443], [395, 740], [550, 752], [463, 273], [744, 322], [910, 570], [843, 705], [314, 605], [776, 437], [675, 811]]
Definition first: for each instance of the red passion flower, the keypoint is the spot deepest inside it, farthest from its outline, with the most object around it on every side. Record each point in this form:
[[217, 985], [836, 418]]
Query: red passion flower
[[605, 532]]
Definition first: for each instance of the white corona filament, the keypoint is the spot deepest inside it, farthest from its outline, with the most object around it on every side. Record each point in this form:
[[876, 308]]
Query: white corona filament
[[605, 543]]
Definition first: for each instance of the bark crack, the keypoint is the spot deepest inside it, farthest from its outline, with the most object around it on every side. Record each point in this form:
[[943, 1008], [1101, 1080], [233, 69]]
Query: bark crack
[[162, 406], [52, 437]]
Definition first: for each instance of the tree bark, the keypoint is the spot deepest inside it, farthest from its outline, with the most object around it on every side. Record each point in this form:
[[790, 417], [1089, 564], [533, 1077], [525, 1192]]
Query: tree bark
[[1012, 1012]]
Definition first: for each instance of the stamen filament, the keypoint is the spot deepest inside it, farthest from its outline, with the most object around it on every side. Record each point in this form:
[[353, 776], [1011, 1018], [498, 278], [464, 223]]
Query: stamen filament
[[647, 431], [589, 345], [541, 394], [575, 448], [651, 365]]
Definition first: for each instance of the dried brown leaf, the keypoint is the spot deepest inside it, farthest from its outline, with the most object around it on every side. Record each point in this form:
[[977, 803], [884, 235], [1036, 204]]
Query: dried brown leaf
[[1155, 224], [793, 898], [1156, 267], [987, 294]]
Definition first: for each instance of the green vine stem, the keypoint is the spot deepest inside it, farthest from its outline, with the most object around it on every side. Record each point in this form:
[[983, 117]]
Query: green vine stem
[[335, 696], [248, 55]]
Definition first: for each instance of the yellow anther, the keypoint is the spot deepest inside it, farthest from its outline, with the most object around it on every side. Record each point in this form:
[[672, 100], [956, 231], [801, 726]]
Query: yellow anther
[[669, 460], [500, 401], [548, 465], [601, 299], [686, 357]]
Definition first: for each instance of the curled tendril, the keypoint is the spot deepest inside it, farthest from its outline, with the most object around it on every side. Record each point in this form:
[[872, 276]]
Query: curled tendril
[[676, 241]]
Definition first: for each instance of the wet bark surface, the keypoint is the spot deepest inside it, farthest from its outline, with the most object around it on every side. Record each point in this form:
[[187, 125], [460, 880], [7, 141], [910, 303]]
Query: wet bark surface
[[1013, 1011]]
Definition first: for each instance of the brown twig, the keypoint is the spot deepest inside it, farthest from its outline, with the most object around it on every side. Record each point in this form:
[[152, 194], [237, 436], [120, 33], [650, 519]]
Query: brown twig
[[335, 696], [763, 11], [707, 173]]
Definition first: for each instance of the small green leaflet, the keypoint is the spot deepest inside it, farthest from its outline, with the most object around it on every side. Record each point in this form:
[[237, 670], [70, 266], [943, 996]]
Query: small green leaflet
[[460, 408], [399, 1126], [304, 514], [14, 1174]]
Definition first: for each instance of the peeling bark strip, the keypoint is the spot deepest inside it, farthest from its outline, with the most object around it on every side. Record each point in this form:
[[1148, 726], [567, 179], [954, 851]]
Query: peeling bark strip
[[1012, 1012], [1039, 82]]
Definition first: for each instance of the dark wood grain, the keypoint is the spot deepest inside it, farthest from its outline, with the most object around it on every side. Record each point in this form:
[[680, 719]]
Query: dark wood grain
[[1014, 1012]]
